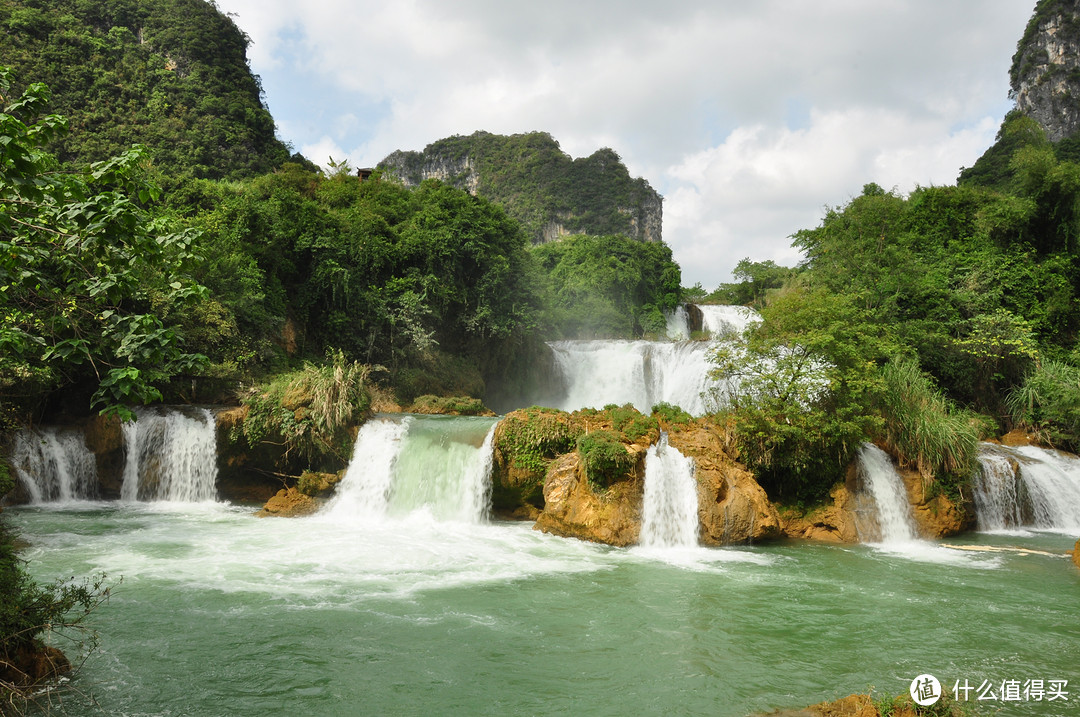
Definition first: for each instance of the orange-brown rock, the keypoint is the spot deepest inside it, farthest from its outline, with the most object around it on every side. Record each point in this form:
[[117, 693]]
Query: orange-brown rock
[[833, 522], [573, 510], [33, 663], [1018, 437], [1076, 554], [937, 516], [289, 503], [732, 507]]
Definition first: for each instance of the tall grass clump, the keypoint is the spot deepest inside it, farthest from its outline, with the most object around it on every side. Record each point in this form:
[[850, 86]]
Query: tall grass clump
[[310, 409], [1048, 401], [922, 427]]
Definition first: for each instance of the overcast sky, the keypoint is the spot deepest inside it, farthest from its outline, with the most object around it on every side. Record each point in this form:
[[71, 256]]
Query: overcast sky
[[748, 116]]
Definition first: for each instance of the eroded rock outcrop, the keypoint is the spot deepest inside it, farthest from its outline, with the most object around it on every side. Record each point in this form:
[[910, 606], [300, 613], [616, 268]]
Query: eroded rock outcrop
[[732, 507], [573, 510], [833, 522], [546, 460], [1044, 71], [936, 515]]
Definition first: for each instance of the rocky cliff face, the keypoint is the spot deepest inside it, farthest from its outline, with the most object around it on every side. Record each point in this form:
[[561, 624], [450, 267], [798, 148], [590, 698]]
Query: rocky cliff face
[[551, 194], [1045, 75]]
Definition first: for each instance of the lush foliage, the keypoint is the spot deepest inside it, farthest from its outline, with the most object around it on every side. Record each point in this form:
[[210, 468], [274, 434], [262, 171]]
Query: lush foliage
[[753, 281], [608, 286], [310, 410], [168, 74], [800, 386], [671, 415], [27, 609], [392, 276], [531, 437], [604, 457], [923, 428], [88, 279], [1048, 401], [538, 184]]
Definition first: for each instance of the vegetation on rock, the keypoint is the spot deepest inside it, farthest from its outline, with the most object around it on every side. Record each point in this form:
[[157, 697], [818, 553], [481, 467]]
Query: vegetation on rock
[[168, 74], [539, 185], [310, 411]]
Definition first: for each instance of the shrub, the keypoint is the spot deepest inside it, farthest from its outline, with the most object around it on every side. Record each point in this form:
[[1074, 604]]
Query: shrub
[[1049, 401], [530, 437], [605, 458], [922, 427], [453, 405], [670, 414], [311, 408], [630, 422], [27, 609]]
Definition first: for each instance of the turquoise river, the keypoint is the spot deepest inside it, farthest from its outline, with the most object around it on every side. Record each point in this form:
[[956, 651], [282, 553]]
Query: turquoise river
[[219, 613]]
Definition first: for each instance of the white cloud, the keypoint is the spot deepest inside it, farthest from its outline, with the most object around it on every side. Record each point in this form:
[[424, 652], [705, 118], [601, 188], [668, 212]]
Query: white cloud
[[749, 117], [745, 197]]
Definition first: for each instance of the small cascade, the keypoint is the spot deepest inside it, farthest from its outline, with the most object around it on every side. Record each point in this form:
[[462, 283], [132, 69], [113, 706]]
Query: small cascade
[[171, 456], [678, 324], [670, 505], [720, 320], [892, 509], [54, 465], [1027, 486], [998, 491], [437, 465]]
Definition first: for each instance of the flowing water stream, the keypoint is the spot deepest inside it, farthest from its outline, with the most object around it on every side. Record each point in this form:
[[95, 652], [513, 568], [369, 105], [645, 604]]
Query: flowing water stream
[[403, 596], [223, 614]]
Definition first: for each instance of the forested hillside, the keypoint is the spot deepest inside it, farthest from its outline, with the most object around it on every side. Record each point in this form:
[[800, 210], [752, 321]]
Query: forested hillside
[[169, 74], [539, 185]]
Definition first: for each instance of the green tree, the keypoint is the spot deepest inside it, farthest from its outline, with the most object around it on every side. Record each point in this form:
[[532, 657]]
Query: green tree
[[801, 386], [84, 270]]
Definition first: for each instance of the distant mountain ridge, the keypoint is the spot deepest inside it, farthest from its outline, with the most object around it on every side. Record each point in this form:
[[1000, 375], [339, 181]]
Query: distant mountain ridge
[[550, 193]]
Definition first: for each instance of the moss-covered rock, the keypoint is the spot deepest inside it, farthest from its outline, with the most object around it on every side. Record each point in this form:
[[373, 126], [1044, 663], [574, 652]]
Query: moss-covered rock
[[526, 441], [450, 406]]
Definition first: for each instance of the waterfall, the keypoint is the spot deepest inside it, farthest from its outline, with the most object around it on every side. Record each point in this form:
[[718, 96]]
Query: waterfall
[[170, 456], [437, 465], [719, 320], [893, 511], [54, 466], [670, 505], [997, 490], [678, 324], [642, 373], [1027, 487]]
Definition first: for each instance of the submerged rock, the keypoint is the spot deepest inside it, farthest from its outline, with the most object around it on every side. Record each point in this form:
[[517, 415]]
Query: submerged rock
[[289, 503]]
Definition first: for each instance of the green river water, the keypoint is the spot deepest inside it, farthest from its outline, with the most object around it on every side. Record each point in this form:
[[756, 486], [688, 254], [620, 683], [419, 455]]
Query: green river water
[[220, 613]]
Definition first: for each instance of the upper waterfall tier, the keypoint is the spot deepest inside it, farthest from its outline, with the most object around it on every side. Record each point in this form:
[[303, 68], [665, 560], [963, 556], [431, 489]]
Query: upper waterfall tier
[[644, 373]]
